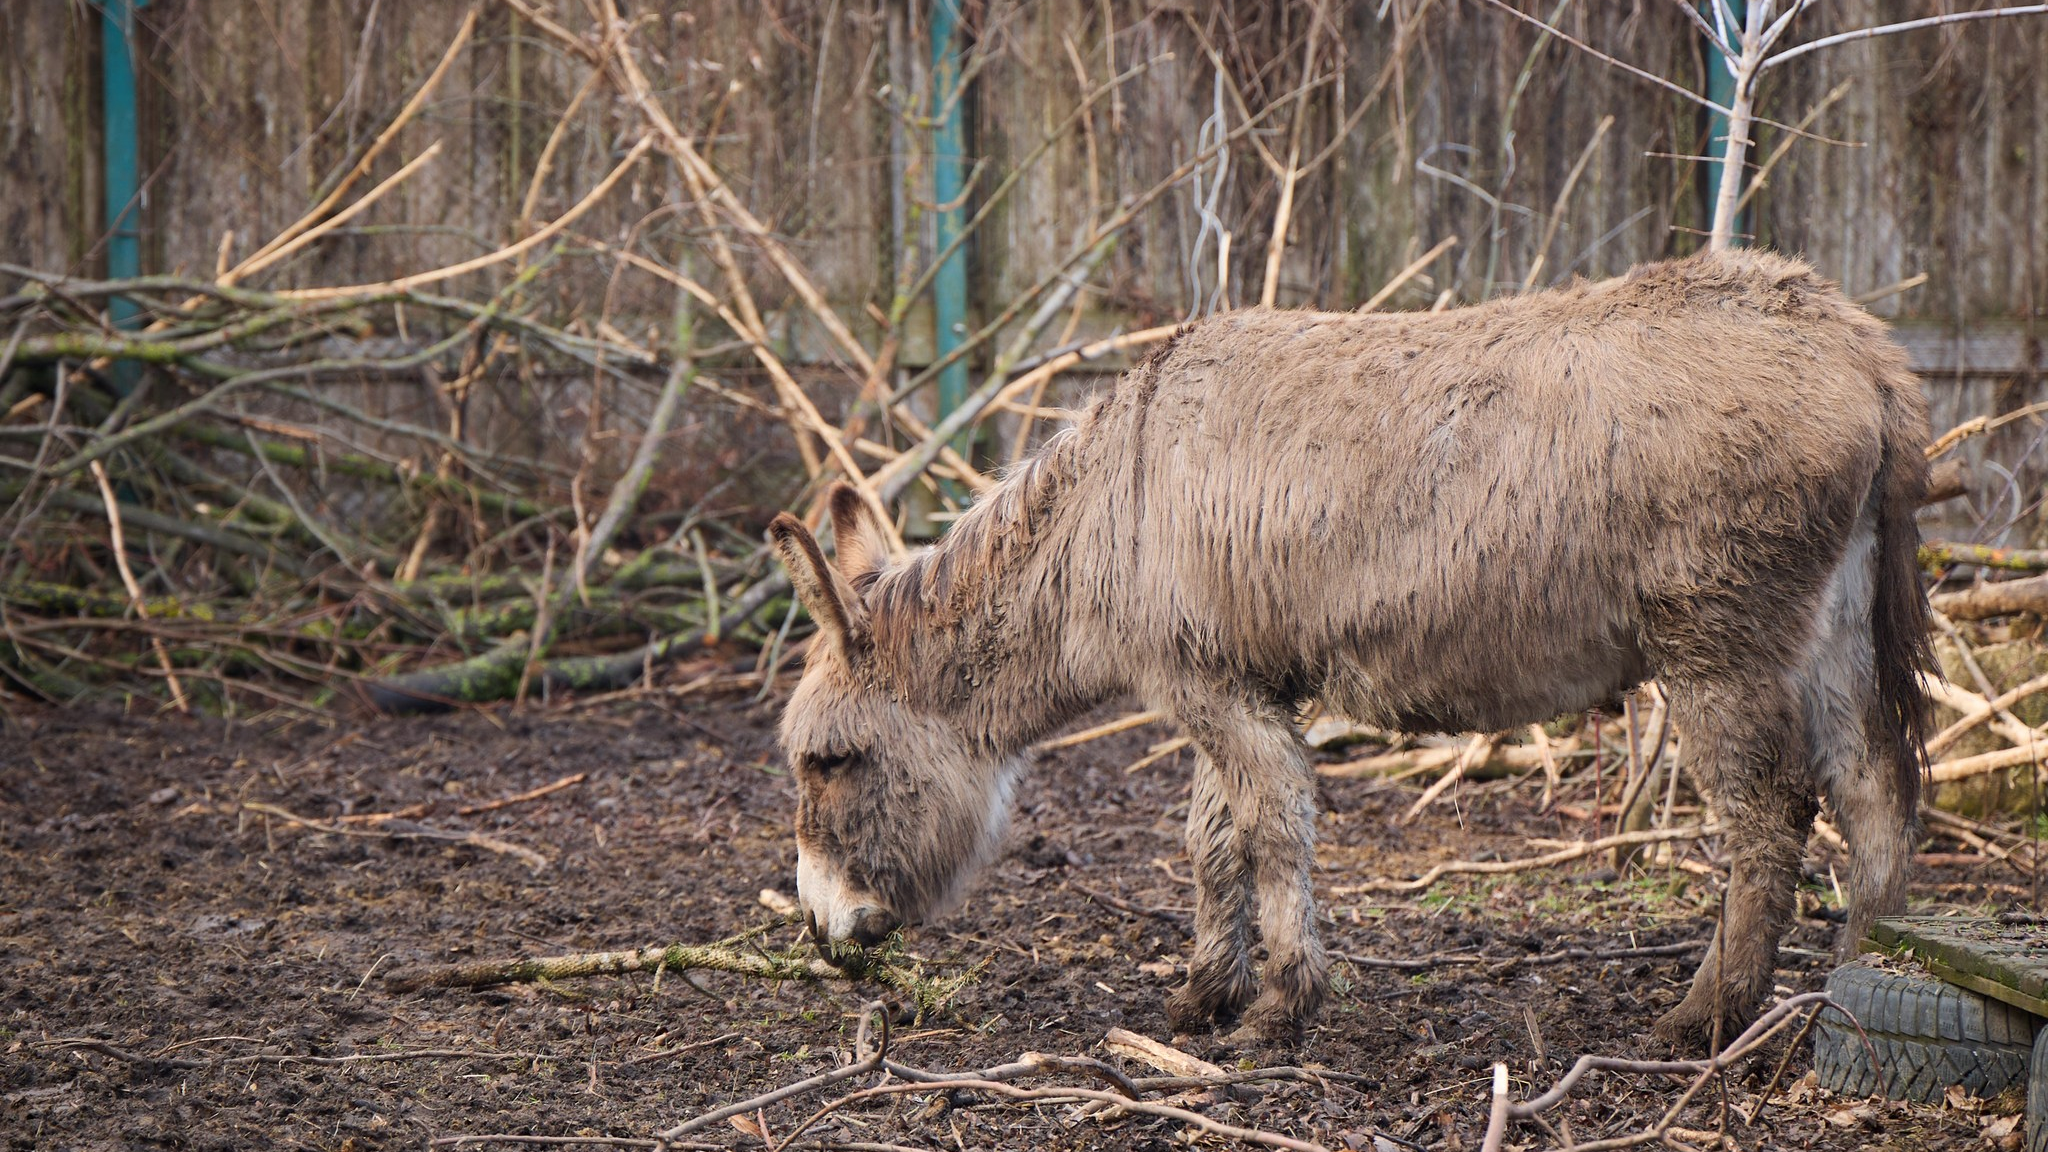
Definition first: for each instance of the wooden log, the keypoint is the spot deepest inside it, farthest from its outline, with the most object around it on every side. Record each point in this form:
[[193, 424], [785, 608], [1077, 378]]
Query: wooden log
[[1946, 481], [2000, 598], [1936, 555]]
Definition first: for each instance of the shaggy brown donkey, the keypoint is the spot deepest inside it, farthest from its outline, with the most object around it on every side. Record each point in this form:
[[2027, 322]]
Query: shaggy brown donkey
[[1704, 471]]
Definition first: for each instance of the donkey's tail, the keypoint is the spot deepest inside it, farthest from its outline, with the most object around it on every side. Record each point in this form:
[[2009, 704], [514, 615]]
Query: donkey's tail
[[1899, 620]]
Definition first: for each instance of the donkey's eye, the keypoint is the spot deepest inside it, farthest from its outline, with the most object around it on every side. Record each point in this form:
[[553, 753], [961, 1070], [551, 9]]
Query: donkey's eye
[[829, 762]]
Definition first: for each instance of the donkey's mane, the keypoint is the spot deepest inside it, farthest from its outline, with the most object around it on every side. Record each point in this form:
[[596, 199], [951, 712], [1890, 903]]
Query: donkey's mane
[[938, 584]]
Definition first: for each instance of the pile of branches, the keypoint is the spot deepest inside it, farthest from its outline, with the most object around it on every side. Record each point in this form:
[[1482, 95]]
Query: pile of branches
[[196, 511], [193, 510]]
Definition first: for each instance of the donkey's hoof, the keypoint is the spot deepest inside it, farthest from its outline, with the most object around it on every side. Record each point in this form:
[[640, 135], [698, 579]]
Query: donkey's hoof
[[1690, 1026], [1269, 1028], [1187, 1015], [1269, 1043], [1200, 1004]]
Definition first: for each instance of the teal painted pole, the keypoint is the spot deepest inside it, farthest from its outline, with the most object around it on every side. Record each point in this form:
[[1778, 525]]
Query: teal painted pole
[[1721, 90], [123, 166], [949, 287]]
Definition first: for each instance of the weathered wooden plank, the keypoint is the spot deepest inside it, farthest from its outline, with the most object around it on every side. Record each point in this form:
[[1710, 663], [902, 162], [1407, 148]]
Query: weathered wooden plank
[[1985, 348], [2006, 960]]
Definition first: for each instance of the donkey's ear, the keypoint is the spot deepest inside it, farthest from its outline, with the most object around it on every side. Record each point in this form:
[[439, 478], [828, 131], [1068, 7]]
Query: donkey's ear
[[859, 539], [831, 601]]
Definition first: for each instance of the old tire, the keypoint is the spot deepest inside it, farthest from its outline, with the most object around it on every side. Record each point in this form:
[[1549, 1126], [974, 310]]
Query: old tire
[[2037, 1096], [1928, 1035]]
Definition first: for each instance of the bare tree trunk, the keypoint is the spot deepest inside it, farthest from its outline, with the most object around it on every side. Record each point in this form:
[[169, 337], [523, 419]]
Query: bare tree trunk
[[1741, 114]]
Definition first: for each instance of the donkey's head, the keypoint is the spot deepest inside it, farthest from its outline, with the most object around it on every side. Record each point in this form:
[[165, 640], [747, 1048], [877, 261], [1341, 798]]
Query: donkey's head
[[897, 804]]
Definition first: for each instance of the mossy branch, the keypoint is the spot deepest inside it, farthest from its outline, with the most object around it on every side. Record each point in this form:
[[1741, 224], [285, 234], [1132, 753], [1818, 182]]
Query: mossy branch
[[882, 968]]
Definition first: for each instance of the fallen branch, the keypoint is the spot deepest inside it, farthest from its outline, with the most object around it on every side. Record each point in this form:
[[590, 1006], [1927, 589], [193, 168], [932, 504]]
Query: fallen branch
[[1964, 767], [2002, 598], [1980, 711], [1474, 751], [1121, 724], [1508, 963], [1495, 760], [1936, 555], [926, 992], [1946, 481], [1060, 1093], [1575, 851]]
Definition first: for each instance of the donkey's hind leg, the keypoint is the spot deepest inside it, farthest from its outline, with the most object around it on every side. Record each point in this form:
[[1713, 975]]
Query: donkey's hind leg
[[1220, 973], [1870, 791], [1747, 743]]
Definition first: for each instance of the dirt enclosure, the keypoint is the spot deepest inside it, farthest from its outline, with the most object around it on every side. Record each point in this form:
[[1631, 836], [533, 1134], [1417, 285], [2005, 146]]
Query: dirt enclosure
[[167, 951]]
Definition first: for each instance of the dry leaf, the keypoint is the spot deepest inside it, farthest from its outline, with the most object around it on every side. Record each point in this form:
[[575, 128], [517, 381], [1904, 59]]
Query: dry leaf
[[1997, 1128], [1849, 1115]]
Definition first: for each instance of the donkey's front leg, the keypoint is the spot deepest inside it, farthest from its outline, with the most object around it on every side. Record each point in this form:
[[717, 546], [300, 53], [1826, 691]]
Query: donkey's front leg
[[1257, 769], [1220, 970]]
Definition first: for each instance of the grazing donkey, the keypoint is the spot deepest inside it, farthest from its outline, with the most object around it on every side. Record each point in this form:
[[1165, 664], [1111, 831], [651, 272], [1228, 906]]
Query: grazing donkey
[[1705, 472]]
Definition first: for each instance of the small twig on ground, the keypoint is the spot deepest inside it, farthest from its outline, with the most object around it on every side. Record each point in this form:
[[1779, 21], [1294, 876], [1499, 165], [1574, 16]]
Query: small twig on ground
[[598, 1141], [1118, 903], [678, 1050], [523, 797], [1158, 752], [392, 829], [120, 549], [1778, 1074]]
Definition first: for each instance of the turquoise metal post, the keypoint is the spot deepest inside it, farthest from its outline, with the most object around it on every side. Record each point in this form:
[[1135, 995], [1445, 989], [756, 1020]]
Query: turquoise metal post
[[1721, 90], [949, 287], [123, 168]]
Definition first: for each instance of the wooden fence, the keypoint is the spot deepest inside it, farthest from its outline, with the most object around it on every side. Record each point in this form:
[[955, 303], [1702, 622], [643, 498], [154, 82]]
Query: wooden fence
[[1446, 118]]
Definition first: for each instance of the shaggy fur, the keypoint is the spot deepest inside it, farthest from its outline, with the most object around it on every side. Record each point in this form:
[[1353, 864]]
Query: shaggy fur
[[1703, 472]]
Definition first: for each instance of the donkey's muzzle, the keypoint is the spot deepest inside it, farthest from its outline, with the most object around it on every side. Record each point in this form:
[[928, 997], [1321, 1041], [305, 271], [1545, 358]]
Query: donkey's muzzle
[[871, 926]]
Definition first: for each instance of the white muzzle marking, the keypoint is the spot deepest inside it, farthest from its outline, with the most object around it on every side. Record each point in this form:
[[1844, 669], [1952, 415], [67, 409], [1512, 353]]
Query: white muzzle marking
[[827, 897]]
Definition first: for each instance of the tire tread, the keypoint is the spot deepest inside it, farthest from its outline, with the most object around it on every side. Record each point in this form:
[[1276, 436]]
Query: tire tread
[[1928, 1035], [2037, 1096]]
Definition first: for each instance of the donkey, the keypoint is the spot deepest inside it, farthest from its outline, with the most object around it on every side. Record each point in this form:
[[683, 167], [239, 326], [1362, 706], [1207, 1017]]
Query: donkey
[[1705, 471]]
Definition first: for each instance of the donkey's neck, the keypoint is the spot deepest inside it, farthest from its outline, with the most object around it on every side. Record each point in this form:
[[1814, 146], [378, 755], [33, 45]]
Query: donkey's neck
[[987, 625]]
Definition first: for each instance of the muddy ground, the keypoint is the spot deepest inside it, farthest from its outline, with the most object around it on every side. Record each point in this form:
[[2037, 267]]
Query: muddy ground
[[145, 909]]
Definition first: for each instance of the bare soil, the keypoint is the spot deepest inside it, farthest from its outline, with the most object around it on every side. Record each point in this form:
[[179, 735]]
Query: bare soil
[[143, 908]]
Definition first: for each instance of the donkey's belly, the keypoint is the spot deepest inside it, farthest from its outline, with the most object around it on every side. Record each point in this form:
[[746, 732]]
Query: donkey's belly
[[1483, 683]]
